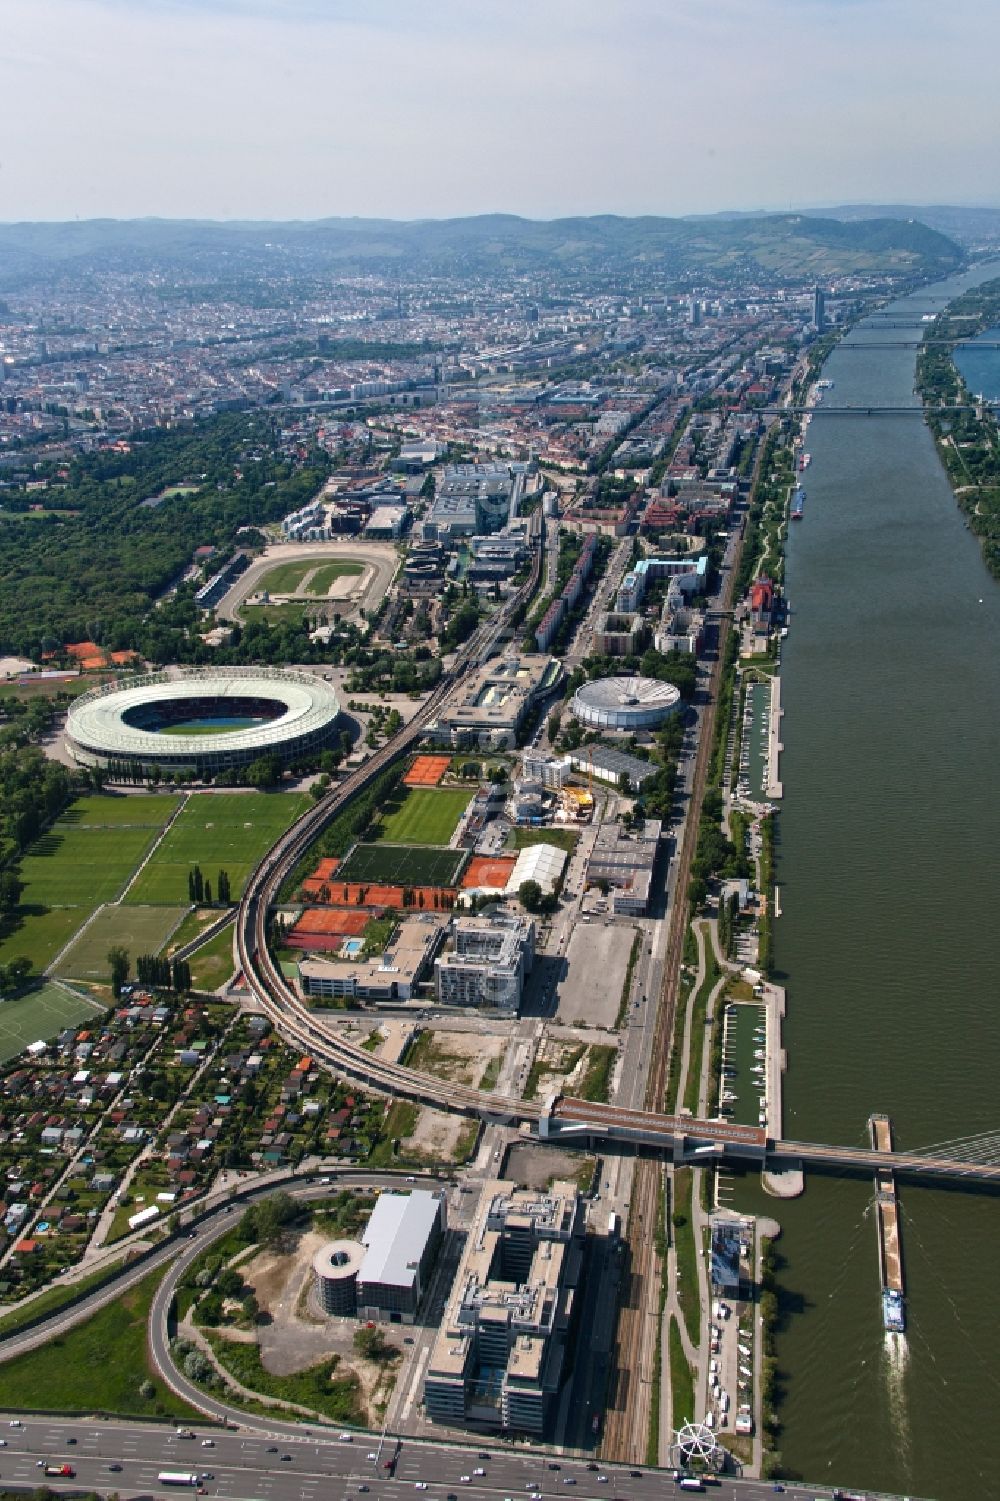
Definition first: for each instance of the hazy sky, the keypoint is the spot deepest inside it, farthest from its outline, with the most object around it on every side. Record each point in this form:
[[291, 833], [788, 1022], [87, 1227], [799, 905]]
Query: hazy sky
[[427, 108]]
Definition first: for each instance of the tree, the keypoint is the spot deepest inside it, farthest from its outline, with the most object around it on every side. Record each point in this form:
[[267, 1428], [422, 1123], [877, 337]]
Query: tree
[[119, 964], [529, 894], [372, 1344]]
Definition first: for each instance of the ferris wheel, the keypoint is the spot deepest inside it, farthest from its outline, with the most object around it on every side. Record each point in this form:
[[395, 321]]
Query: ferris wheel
[[695, 1443]]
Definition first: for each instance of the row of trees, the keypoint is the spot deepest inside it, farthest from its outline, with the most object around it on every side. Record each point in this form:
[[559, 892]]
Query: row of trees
[[163, 974], [200, 890]]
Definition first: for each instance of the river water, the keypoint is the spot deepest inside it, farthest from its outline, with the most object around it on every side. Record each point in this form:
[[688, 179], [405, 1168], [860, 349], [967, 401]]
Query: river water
[[888, 861]]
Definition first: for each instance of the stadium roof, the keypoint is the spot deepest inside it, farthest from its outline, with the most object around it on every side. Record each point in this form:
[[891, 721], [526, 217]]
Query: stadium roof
[[396, 1235], [539, 862], [96, 720]]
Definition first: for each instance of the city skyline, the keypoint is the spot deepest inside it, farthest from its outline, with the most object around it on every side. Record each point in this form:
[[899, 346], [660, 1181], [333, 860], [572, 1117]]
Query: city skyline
[[313, 108]]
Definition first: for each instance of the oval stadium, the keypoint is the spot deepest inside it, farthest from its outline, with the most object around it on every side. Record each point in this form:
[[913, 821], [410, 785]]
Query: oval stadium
[[205, 721], [627, 704]]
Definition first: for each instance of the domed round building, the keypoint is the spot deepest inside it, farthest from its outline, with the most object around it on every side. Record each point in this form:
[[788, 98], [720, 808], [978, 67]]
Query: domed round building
[[629, 704], [204, 721]]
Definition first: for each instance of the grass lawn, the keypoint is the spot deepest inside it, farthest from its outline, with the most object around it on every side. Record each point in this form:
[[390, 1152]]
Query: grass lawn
[[317, 1387], [292, 613], [144, 811], [402, 865], [229, 830], [328, 573], [686, 1248], [49, 687], [681, 1384], [196, 922], [55, 1297], [140, 930], [427, 815], [40, 1013], [285, 578], [38, 934], [563, 839], [76, 866], [212, 964], [96, 1367]]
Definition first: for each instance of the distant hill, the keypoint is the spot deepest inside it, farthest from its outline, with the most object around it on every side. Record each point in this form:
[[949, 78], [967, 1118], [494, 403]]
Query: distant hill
[[969, 226], [778, 247]]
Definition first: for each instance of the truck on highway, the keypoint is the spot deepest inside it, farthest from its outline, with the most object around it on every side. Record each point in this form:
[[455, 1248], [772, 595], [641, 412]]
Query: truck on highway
[[65, 1472], [177, 1477]]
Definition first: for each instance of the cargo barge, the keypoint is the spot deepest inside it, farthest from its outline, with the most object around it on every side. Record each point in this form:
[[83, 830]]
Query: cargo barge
[[890, 1254]]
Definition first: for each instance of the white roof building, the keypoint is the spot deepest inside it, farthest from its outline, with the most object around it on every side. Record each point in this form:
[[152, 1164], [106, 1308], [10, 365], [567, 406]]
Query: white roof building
[[543, 863]]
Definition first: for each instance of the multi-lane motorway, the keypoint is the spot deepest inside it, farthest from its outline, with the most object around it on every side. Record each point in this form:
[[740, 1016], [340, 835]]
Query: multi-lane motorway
[[316, 1465]]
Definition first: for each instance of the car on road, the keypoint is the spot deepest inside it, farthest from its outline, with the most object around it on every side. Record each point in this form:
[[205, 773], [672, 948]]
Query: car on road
[[286, 1459], [479, 1470], [569, 1480], [71, 1440], [362, 1490], [14, 1423], [115, 1469], [420, 1485], [346, 1438], [208, 1443], [272, 1448]]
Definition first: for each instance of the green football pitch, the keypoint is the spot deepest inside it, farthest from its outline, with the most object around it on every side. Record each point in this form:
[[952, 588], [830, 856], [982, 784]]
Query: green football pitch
[[426, 816], [139, 930], [40, 1014], [225, 830], [86, 858], [401, 865]]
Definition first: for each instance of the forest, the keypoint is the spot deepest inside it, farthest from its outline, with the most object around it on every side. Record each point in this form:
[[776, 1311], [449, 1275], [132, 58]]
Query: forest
[[93, 563]]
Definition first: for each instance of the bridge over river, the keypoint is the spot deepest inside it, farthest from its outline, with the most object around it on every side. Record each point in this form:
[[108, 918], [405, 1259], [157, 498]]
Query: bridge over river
[[685, 1138]]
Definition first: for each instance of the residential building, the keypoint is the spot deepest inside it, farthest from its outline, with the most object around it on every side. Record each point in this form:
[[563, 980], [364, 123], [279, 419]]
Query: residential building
[[488, 964], [393, 976], [499, 1356]]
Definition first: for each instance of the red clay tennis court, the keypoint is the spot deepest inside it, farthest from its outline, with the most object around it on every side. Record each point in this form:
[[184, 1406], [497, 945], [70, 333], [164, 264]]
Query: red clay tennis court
[[334, 920], [482, 871], [320, 877], [426, 771]]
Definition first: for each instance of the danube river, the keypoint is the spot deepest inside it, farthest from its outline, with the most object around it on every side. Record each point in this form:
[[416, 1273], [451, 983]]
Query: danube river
[[888, 864]]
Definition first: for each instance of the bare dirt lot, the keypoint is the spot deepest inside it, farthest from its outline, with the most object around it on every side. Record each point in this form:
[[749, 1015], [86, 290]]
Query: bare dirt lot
[[441, 1137], [459, 1057], [538, 1167], [590, 990], [299, 1335]]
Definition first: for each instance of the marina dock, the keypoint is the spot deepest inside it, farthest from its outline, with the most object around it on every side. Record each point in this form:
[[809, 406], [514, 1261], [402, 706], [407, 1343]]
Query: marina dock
[[890, 1253]]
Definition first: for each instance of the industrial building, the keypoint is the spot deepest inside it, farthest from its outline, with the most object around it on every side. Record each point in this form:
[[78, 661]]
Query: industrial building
[[499, 1356], [629, 704], [383, 1276], [607, 765], [492, 955], [393, 976], [401, 1240], [488, 710], [624, 860]]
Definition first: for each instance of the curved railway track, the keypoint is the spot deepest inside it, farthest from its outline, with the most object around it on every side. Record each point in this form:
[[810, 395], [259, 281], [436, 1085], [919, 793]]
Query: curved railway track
[[287, 1012]]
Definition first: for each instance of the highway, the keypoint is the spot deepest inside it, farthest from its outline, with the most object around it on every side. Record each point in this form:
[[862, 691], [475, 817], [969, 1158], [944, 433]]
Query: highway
[[126, 1458]]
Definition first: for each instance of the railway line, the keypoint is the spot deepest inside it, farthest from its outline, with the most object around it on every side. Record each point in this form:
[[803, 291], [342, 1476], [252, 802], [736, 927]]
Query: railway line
[[627, 1416]]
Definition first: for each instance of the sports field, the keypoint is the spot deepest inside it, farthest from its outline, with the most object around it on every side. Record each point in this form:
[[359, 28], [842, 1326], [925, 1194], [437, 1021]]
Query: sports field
[[285, 578], [216, 830], [402, 865], [42, 1014], [426, 771], [426, 816], [493, 874], [327, 574], [140, 930], [85, 859]]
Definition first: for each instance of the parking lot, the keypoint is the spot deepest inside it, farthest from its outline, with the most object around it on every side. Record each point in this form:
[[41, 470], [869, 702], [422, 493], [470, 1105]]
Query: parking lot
[[590, 989]]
